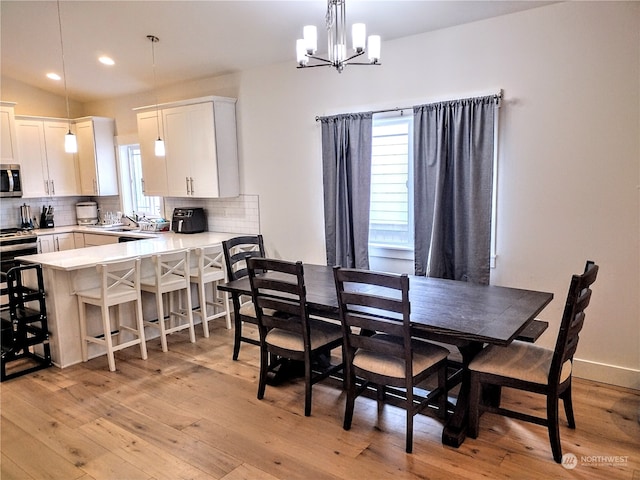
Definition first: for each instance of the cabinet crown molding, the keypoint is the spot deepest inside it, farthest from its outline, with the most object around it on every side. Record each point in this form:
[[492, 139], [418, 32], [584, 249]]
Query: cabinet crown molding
[[189, 101]]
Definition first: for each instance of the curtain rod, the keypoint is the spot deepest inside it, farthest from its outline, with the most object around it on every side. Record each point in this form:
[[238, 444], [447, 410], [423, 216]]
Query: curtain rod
[[498, 96]]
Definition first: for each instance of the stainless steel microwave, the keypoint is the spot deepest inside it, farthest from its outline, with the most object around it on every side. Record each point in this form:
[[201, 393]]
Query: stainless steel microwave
[[10, 181]]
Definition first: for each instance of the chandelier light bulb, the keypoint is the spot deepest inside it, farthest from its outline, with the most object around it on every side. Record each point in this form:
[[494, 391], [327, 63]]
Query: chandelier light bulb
[[301, 52], [374, 48], [310, 34], [159, 148], [359, 36]]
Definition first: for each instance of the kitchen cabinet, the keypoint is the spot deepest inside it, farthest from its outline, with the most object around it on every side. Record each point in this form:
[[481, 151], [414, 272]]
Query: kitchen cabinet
[[47, 170], [96, 156], [8, 141], [154, 169], [56, 242], [94, 239], [78, 240], [201, 148]]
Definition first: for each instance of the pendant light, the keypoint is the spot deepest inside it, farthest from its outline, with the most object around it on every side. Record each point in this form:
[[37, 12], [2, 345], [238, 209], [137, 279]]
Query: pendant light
[[159, 145], [70, 141]]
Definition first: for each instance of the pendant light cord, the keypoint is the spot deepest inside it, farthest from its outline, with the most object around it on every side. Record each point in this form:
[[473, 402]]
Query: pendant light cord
[[155, 39], [64, 72]]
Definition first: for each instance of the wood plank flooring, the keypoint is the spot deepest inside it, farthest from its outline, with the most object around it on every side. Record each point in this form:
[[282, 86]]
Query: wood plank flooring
[[192, 413]]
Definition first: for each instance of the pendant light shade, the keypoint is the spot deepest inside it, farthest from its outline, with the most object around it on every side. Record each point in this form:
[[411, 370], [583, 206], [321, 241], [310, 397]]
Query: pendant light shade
[[70, 141], [159, 145]]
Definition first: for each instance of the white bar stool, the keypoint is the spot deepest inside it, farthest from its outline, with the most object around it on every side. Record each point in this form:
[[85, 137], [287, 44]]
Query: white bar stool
[[170, 276], [209, 269], [119, 284]]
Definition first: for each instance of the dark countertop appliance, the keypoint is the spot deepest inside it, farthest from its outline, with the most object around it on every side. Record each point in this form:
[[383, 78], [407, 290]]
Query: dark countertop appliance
[[188, 220]]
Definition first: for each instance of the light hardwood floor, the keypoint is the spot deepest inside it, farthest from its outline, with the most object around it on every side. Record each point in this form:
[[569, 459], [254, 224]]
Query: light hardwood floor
[[192, 413]]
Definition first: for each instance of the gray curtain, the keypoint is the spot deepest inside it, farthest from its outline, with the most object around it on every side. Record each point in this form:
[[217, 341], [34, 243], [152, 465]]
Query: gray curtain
[[453, 174], [346, 160]]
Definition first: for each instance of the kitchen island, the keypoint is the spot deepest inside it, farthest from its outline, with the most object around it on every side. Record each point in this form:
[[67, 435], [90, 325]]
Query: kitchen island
[[68, 271]]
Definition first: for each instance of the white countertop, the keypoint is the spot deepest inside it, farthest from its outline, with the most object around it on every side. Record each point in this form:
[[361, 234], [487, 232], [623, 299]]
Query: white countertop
[[97, 229], [89, 256]]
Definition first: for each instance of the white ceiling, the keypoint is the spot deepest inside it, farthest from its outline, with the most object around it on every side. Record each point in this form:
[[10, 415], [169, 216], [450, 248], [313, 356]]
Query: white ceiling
[[198, 39]]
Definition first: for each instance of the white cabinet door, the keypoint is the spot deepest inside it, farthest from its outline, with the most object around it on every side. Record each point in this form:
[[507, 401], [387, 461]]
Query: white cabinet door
[[78, 239], [60, 164], [47, 170], [46, 243], [8, 143], [33, 158], [201, 148], [56, 242], [64, 241], [96, 156], [154, 172]]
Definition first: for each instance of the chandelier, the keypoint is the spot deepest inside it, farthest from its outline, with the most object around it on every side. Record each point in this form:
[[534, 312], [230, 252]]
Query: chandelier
[[337, 42]]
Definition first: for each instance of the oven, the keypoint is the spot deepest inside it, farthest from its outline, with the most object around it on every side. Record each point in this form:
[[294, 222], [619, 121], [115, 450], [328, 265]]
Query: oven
[[15, 242]]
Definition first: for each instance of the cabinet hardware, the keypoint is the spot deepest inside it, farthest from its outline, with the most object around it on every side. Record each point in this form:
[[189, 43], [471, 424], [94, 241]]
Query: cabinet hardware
[[192, 192], [187, 179], [53, 188], [46, 186]]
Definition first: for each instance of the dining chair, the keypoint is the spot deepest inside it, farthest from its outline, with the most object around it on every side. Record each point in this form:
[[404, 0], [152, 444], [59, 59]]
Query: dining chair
[[119, 284], [236, 251], [531, 368], [169, 278], [209, 270], [387, 355], [286, 330]]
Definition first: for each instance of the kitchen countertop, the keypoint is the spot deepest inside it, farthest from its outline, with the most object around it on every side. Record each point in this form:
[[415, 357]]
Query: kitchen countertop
[[87, 257], [112, 230]]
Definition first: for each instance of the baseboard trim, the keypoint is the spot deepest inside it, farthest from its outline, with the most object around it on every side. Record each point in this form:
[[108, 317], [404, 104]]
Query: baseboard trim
[[610, 374]]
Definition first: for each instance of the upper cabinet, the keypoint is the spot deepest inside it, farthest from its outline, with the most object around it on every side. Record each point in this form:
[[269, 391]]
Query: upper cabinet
[[47, 170], [96, 156], [201, 148], [8, 142], [154, 169]]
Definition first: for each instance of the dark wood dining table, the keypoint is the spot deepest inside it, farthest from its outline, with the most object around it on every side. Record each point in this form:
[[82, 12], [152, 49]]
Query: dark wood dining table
[[466, 315]]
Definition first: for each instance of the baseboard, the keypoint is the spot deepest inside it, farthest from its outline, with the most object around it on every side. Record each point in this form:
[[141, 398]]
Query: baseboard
[[611, 374]]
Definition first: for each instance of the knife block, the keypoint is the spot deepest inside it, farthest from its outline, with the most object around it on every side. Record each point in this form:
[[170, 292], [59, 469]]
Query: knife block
[[46, 221]]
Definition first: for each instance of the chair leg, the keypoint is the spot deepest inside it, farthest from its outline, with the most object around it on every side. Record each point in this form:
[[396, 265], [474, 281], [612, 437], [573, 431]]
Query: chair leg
[[203, 307], [568, 407], [409, 412], [161, 324], [307, 387], [264, 368], [189, 312], [106, 326], [351, 398], [227, 310], [474, 405], [237, 334], [83, 330], [140, 324], [553, 427]]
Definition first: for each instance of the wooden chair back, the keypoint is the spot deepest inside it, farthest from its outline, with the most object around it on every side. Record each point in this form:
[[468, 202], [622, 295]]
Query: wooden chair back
[[578, 298], [236, 252], [278, 285], [120, 277], [375, 302]]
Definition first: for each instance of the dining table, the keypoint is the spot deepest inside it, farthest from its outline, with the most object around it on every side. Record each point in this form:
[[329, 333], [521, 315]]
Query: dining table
[[465, 315]]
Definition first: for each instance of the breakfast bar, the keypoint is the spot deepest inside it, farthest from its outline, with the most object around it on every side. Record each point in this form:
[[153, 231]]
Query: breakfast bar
[[68, 271]]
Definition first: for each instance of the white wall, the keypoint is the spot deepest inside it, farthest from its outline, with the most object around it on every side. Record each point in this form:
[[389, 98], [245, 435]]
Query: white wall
[[569, 152], [569, 170]]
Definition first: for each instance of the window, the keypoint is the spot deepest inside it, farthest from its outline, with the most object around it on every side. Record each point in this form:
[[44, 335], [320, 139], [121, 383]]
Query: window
[[133, 199], [391, 210]]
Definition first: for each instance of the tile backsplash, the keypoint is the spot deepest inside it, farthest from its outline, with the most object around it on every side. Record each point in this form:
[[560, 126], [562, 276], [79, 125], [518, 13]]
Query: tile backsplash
[[238, 215]]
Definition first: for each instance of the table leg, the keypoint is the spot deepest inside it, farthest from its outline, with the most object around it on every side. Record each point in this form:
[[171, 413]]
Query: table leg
[[455, 430]]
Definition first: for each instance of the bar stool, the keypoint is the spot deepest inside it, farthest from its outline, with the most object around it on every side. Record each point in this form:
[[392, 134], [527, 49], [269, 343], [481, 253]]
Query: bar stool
[[170, 276], [210, 270], [119, 284]]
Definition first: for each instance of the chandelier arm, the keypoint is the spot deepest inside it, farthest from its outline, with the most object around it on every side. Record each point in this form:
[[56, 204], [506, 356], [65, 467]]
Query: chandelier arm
[[328, 62], [354, 56]]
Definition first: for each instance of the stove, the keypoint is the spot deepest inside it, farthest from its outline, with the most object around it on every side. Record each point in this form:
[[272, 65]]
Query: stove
[[16, 242]]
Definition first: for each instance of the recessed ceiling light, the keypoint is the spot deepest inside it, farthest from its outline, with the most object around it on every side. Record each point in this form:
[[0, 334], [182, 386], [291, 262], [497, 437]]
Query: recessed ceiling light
[[106, 60], [54, 76]]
